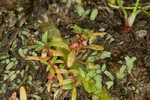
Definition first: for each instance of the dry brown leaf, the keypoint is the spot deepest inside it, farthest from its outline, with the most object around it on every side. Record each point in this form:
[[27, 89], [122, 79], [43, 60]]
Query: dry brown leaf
[[96, 47], [90, 65], [23, 94], [71, 58], [44, 53], [13, 96], [96, 34], [74, 94], [48, 86], [32, 58]]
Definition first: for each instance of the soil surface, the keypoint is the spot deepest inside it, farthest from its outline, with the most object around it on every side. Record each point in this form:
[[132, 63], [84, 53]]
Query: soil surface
[[20, 27]]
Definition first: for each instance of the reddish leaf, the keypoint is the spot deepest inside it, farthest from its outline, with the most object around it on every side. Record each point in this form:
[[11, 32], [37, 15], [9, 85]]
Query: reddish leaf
[[49, 76], [74, 45]]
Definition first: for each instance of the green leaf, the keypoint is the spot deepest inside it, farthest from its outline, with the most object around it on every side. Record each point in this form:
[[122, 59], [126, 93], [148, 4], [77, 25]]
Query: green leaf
[[92, 73], [105, 54], [95, 97], [67, 86], [120, 74], [103, 67], [44, 37], [77, 29], [12, 77], [91, 59], [82, 73], [80, 10], [108, 74], [67, 81], [89, 86], [94, 14], [10, 65], [98, 79], [109, 84], [129, 63]]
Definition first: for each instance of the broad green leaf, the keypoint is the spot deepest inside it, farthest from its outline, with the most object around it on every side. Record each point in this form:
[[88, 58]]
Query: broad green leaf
[[91, 73], [12, 77], [96, 47], [71, 59], [67, 81], [91, 59], [80, 10], [67, 86], [109, 84], [105, 54], [74, 94], [21, 52], [10, 65], [23, 94], [89, 86], [98, 79], [94, 14], [108, 74], [129, 63]]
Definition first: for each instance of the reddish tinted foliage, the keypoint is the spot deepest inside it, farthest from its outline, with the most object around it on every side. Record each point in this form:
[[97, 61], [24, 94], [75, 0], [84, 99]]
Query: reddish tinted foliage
[[84, 44], [74, 45], [49, 76]]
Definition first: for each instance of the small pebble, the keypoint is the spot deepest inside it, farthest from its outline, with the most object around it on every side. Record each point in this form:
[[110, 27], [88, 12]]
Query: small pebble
[[141, 33]]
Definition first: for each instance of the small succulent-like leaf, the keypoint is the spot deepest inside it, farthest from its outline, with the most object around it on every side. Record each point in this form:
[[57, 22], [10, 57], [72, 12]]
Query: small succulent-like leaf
[[96, 47], [23, 94], [109, 84], [94, 14], [80, 10], [10, 65], [98, 79], [120, 74], [107, 73], [21, 52], [103, 67], [71, 59], [105, 54], [82, 73], [129, 63], [74, 94]]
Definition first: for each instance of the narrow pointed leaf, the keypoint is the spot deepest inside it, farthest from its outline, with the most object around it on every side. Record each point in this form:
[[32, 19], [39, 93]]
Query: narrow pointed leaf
[[74, 94], [71, 59]]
